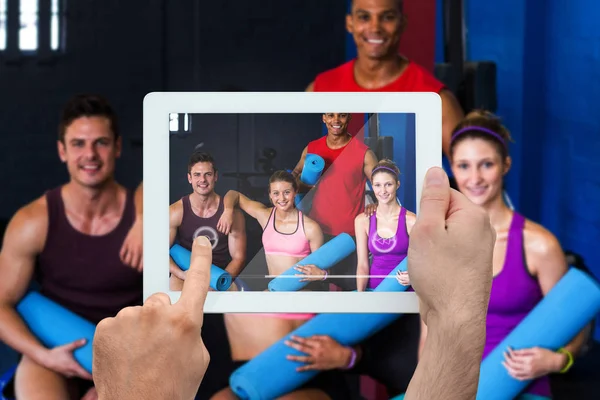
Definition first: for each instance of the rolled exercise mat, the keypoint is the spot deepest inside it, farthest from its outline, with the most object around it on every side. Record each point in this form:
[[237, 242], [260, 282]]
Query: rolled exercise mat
[[325, 257], [219, 279], [313, 168], [567, 308], [298, 199], [55, 326], [270, 375]]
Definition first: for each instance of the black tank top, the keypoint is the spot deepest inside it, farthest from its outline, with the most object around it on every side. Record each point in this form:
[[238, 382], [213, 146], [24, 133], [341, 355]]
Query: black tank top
[[84, 273], [193, 226]]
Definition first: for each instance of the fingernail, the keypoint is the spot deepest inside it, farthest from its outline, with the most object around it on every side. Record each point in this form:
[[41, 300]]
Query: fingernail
[[434, 177], [203, 241]]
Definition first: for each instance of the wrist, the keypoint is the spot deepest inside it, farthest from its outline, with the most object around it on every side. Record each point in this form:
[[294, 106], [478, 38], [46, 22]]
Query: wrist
[[563, 360], [349, 358], [40, 356]]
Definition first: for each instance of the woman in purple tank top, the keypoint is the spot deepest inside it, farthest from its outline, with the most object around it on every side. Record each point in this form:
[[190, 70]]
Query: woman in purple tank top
[[384, 234], [528, 259]]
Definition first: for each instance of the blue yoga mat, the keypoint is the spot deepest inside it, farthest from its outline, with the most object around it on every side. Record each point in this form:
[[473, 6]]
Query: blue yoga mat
[[270, 375], [563, 312], [313, 168], [54, 326], [219, 279], [298, 199], [325, 257]]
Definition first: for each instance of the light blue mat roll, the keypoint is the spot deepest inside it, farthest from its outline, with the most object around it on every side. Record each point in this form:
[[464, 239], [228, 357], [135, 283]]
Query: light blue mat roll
[[325, 257], [313, 168], [270, 375], [220, 279], [557, 318], [298, 199], [54, 326]]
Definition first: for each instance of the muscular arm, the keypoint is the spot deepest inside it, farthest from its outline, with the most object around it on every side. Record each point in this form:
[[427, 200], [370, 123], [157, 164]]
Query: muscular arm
[[369, 163], [361, 222], [310, 87], [175, 218], [297, 172], [452, 114], [23, 240], [237, 244]]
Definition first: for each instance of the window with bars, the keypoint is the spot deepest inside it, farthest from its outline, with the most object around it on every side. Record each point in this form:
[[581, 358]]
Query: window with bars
[[31, 26], [179, 123]]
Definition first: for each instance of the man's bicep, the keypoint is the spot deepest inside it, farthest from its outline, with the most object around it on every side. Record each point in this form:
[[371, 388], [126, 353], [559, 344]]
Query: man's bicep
[[297, 171], [370, 163], [23, 241]]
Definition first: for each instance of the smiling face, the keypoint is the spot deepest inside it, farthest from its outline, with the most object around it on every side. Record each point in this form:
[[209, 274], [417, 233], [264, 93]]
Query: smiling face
[[376, 26], [385, 185], [202, 177], [336, 123], [89, 149], [479, 170], [282, 195]]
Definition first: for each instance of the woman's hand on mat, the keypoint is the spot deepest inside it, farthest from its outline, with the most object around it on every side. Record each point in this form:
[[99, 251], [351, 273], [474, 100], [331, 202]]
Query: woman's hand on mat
[[155, 351], [60, 359], [526, 364], [322, 353], [132, 251], [370, 209], [225, 222], [312, 272], [402, 278], [450, 255]]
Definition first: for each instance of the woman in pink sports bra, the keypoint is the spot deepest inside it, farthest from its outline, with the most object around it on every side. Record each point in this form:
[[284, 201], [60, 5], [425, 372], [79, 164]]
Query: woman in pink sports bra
[[288, 237]]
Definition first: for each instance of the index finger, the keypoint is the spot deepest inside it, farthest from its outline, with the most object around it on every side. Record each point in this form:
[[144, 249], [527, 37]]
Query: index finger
[[197, 279]]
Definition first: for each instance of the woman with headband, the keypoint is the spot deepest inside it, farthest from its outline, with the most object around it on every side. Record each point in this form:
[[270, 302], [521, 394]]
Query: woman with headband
[[390, 355], [528, 259], [384, 234]]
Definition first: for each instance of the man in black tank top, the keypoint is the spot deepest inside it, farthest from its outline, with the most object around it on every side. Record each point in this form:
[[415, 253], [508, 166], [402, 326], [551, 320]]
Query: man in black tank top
[[69, 240], [197, 214]]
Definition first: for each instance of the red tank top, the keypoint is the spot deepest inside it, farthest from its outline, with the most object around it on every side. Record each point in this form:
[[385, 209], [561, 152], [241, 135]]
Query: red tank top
[[340, 193], [341, 79], [84, 273]]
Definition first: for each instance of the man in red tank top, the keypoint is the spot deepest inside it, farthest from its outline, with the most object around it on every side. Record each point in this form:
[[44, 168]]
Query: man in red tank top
[[339, 195], [69, 242], [376, 26]]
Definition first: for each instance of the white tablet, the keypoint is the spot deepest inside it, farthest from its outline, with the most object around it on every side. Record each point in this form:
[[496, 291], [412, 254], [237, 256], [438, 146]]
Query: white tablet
[[249, 136]]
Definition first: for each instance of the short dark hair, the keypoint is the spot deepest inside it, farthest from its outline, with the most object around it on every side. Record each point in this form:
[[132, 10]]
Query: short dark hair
[[399, 4], [201, 156], [87, 105]]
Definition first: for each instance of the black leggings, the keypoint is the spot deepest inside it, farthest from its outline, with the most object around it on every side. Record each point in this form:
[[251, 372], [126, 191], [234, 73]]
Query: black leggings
[[391, 355]]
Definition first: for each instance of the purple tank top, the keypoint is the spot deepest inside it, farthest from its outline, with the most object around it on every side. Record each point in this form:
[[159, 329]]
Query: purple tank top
[[84, 273], [515, 292], [387, 252], [193, 226]]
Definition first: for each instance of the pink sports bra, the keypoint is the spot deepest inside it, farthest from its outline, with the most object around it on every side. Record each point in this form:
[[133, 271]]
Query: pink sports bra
[[287, 244]]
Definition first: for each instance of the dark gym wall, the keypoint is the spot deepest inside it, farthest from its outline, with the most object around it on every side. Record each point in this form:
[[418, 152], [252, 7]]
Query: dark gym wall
[[125, 49], [548, 63]]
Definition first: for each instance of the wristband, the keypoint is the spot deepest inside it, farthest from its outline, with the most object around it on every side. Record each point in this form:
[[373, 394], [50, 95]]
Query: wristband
[[567, 367], [325, 276], [352, 359]]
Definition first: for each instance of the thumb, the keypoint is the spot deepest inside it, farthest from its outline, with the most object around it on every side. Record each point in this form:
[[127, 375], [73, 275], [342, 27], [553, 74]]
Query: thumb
[[75, 345], [435, 199]]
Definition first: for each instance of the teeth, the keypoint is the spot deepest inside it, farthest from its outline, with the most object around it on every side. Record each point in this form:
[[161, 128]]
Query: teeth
[[376, 41], [91, 167], [337, 126]]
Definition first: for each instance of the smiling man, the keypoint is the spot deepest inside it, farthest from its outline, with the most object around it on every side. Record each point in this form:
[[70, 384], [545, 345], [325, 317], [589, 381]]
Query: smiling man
[[339, 196], [376, 27], [69, 241]]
